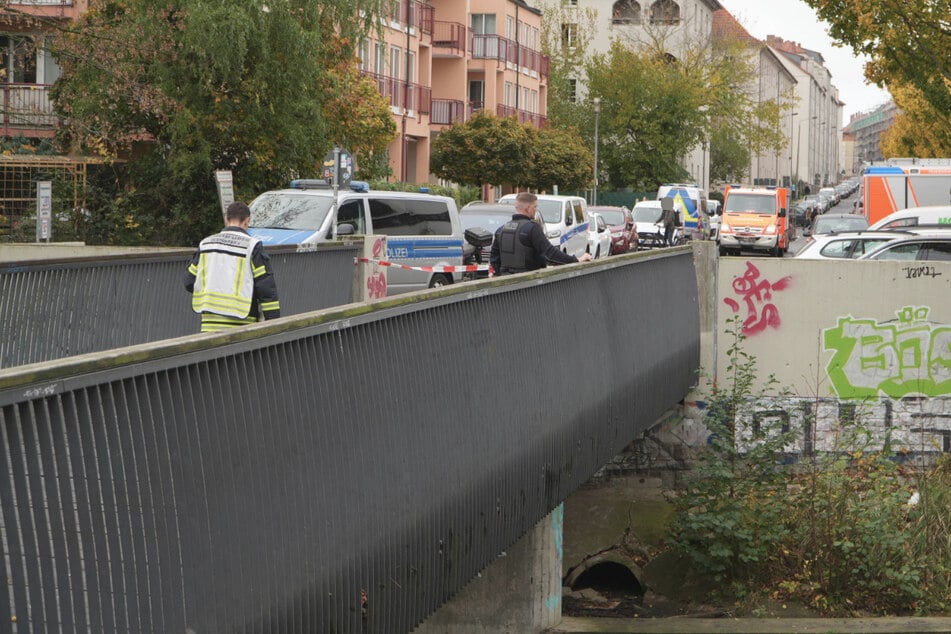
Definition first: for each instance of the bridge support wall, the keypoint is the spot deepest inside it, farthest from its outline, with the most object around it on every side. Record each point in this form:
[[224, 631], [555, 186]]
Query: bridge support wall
[[518, 593]]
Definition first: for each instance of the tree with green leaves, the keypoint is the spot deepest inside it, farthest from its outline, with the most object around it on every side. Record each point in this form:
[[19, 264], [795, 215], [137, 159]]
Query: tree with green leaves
[[562, 158], [485, 150], [907, 41], [190, 86]]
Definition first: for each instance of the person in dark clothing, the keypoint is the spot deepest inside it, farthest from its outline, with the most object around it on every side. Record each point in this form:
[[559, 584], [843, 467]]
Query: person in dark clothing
[[230, 276], [520, 245]]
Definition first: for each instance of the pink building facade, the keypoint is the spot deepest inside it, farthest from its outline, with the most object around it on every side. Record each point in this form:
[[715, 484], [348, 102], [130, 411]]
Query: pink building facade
[[442, 60]]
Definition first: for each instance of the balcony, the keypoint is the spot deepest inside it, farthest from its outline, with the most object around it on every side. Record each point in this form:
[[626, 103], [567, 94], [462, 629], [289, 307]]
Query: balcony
[[413, 14], [21, 11], [523, 116], [449, 38], [510, 53], [448, 112], [403, 95], [27, 110]]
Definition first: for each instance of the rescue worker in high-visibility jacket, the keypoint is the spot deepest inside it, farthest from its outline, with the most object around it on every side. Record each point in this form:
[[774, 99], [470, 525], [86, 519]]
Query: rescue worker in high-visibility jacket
[[230, 276]]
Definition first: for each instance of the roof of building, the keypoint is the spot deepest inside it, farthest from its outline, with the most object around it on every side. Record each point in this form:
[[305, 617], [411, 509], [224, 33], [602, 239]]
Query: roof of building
[[725, 25]]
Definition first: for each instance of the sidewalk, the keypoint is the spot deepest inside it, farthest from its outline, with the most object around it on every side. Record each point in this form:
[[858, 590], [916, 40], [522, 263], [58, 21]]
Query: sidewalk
[[890, 625]]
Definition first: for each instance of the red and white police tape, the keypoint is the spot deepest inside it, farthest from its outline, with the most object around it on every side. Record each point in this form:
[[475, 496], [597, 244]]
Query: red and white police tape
[[466, 268]]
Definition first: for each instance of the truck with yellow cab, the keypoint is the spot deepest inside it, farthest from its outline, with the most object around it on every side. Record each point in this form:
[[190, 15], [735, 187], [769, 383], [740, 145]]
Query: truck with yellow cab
[[755, 219]]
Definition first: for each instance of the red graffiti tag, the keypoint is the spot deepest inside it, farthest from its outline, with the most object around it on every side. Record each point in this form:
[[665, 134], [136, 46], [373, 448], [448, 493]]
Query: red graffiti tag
[[377, 248], [376, 286], [757, 294]]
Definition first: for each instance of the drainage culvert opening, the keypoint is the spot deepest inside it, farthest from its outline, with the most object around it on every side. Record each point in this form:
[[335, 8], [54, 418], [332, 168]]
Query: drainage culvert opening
[[610, 577]]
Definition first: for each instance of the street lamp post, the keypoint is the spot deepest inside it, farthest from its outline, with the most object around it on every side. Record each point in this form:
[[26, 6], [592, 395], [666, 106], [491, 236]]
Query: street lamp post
[[597, 114]]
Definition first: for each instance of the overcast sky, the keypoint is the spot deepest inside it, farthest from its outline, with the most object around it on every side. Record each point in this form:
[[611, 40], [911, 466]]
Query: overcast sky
[[794, 20]]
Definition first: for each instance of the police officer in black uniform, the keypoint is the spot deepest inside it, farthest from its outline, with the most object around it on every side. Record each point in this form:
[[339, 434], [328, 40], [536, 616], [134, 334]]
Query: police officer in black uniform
[[520, 244]]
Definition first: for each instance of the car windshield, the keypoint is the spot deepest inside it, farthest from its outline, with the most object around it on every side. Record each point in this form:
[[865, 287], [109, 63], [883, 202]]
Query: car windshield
[[612, 216], [487, 221], [838, 224], [751, 203], [852, 247], [282, 210], [646, 214]]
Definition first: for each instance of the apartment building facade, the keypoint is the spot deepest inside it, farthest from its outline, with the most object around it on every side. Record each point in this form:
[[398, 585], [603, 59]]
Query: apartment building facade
[[440, 61], [28, 67], [678, 27], [437, 62], [817, 124], [771, 81], [866, 130]]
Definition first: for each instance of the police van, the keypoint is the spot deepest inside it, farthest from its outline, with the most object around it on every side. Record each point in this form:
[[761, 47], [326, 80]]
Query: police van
[[422, 230], [691, 202], [565, 218]]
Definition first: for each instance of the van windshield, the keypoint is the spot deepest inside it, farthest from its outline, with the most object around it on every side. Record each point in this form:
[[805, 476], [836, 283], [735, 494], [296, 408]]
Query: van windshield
[[646, 214], [282, 210], [751, 203], [551, 210]]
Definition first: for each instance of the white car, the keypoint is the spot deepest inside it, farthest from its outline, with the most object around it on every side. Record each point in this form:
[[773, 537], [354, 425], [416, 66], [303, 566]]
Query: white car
[[845, 246], [646, 215], [599, 236]]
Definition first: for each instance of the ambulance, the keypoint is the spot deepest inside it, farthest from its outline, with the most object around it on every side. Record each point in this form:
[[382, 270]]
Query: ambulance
[[755, 219], [898, 184]]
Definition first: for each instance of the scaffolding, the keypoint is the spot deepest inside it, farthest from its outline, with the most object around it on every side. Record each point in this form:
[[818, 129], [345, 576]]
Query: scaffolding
[[19, 175]]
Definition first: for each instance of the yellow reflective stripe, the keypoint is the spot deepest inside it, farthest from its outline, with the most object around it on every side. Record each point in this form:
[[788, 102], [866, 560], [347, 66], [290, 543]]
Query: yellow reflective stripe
[[216, 302], [193, 269], [239, 276], [269, 306], [258, 271], [214, 323]]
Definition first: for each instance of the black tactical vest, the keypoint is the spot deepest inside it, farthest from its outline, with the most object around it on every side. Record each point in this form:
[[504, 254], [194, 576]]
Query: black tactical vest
[[514, 255]]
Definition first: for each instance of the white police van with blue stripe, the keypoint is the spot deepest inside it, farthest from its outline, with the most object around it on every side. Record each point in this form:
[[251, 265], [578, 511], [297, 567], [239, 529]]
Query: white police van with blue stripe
[[566, 221], [421, 229]]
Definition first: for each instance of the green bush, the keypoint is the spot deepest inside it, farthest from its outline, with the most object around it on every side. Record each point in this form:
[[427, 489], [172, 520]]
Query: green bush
[[835, 531]]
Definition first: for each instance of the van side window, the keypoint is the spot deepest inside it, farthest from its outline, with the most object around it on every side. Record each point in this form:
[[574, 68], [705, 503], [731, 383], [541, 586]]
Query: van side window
[[568, 220], [579, 212], [406, 217], [351, 213]]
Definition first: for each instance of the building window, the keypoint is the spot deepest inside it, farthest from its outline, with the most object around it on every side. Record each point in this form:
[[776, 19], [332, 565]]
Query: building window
[[571, 3], [483, 23], [379, 58], [573, 90], [626, 12], [509, 89], [477, 94], [569, 35], [410, 66], [364, 54], [19, 59], [665, 12], [395, 59], [510, 27]]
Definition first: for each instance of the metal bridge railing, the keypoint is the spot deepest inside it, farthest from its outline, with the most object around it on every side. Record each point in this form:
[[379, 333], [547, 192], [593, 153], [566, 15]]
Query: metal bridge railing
[[345, 470]]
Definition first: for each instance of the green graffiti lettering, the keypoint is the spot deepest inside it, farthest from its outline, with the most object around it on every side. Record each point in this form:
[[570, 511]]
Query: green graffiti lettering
[[897, 358]]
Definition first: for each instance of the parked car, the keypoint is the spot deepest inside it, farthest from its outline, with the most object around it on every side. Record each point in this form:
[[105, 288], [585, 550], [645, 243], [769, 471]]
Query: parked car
[[621, 225], [646, 215], [488, 216], [599, 236], [565, 218], [837, 223], [933, 216], [933, 247], [848, 245]]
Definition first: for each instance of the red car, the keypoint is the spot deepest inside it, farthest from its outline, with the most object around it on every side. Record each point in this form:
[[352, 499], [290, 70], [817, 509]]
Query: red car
[[621, 224]]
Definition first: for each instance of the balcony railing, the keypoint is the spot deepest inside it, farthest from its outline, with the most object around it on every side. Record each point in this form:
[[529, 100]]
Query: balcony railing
[[42, 3], [505, 50], [413, 14], [403, 95], [523, 116], [447, 112], [27, 107], [451, 35]]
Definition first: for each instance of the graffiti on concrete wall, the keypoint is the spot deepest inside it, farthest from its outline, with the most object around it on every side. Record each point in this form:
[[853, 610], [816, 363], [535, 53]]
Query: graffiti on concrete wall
[[755, 296], [917, 429], [907, 356]]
